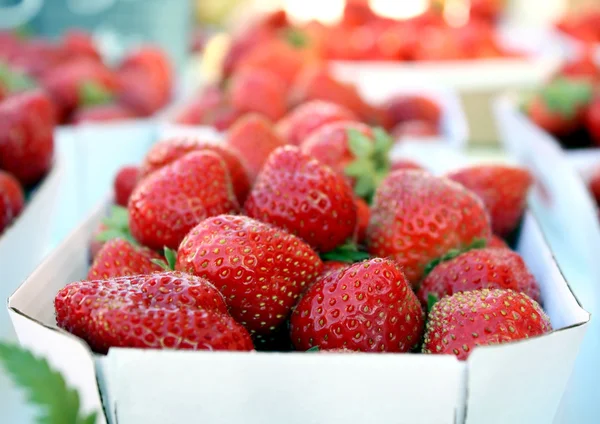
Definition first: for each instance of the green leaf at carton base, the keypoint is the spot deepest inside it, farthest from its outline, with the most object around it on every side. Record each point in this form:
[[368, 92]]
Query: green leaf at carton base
[[566, 97], [313, 349], [93, 94], [347, 252], [44, 387], [453, 253]]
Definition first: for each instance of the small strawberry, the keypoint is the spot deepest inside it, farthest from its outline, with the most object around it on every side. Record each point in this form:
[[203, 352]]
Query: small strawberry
[[295, 127], [164, 310], [592, 120], [408, 107], [503, 190], [95, 242], [497, 243], [167, 151], [259, 91], [165, 206], [124, 184], [398, 164], [594, 184], [417, 217], [354, 150], [114, 225], [260, 270], [26, 136], [194, 112], [363, 215], [12, 199], [298, 193], [459, 323], [254, 138], [102, 113], [478, 269], [415, 129], [77, 44], [368, 307], [119, 258]]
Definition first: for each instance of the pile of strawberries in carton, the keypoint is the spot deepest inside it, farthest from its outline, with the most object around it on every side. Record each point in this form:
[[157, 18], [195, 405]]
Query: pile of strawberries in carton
[[80, 85], [306, 241], [26, 149], [584, 25], [568, 106]]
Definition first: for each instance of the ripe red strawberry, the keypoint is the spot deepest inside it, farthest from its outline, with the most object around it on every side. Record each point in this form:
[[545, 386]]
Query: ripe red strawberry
[[119, 258], [459, 323], [124, 184], [298, 193], [417, 217], [26, 136], [332, 266], [408, 107], [12, 199], [165, 310], [166, 205], [363, 215], [96, 243], [368, 306], [254, 138], [592, 120], [295, 127], [479, 269], [77, 44], [503, 190], [497, 243], [194, 112], [353, 150], [259, 91], [260, 270], [415, 129], [169, 150], [398, 164], [102, 113]]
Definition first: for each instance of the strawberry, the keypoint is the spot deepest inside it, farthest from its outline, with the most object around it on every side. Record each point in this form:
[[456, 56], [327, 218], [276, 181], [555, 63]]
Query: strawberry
[[583, 67], [299, 194], [497, 243], [363, 215], [166, 205], [459, 323], [194, 112], [26, 136], [167, 151], [410, 107], [594, 185], [295, 127], [332, 266], [164, 310], [125, 183], [260, 270], [254, 138], [260, 91], [478, 269], [102, 113], [415, 128], [79, 44], [96, 243], [354, 150], [559, 107], [119, 258], [417, 217], [592, 120], [503, 190], [398, 164], [12, 199], [367, 307]]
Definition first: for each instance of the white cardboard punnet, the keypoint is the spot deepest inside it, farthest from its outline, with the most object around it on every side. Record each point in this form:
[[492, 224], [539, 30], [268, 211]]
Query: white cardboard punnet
[[518, 383]]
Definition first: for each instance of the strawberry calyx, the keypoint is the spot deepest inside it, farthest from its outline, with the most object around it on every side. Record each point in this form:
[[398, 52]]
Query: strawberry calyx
[[313, 349], [372, 162], [15, 81], [347, 252], [566, 96], [453, 253], [168, 264], [432, 299], [117, 226], [94, 94], [296, 38]]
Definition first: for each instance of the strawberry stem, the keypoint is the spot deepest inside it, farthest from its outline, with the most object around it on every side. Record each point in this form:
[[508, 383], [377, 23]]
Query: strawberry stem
[[453, 253], [347, 252], [93, 94]]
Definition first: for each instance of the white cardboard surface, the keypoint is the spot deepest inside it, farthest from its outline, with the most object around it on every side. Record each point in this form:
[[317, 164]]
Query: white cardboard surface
[[300, 388]]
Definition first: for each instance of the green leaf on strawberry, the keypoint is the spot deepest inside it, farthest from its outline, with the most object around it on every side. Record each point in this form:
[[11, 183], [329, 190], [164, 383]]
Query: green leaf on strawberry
[[313, 349], [44, 386], [431, 300], [296, 38], [168, 264], [566, 97], [347, 252], [15, 81], [93, 94], [117, 226], [453, 253]]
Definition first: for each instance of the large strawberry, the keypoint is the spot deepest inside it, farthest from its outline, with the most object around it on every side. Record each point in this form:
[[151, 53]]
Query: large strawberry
[[164, 310], [254, 138], [368, 306], [124, 184], [503, 190], [26, 136], [305, 197], [354, 150], [167, 151], [479, 269], [459, 323], [119, 258], [260, 270], [12, 199], [296, 126], [417, 217], [174, 199], [259, 91]]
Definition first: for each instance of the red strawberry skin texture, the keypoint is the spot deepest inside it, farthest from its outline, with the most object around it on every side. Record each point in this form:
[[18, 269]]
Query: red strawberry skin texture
[[164, 310], [165, 206], [480, 269], [124, 184], [363, 214], [299, 194], [459, 323], [259, 91], [169, 150], [12, 199], [366, 307], [296, 126], [119, 258], [102, 113], [497, 242], [417, 217], [26, 136], [260, 270]]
